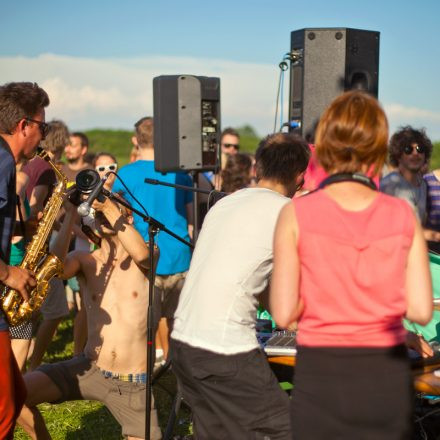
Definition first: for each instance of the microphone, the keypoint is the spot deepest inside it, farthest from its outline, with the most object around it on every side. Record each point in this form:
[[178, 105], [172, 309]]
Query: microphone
[[85, 207]]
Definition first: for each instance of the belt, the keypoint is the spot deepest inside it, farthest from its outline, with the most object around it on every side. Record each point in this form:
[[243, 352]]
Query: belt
[[135, 377]]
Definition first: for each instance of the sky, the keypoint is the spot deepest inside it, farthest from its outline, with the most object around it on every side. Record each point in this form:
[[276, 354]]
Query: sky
[[97, 59]]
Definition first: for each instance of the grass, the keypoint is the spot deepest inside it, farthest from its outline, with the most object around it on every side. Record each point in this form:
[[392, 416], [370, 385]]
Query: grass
[[118, 142], [91, 420]]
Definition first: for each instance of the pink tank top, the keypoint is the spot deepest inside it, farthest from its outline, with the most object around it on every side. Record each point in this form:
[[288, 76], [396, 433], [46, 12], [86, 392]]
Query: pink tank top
[[353, 271]]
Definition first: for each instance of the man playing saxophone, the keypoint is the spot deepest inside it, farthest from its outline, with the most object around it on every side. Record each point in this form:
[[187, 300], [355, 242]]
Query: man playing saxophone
[[114, 280], [22, 127]]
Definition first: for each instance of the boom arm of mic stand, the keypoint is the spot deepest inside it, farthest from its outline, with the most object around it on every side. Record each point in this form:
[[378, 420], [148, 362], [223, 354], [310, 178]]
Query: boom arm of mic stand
[[186, 188]]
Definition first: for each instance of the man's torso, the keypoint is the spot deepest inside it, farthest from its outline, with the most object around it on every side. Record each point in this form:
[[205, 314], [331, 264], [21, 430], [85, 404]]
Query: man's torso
[[396, 185], [7, 206], [116, 299]]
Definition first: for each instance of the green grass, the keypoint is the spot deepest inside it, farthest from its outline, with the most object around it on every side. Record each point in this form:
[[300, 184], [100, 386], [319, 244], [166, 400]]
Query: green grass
[[91, 420], [435, 158], [118, 142]]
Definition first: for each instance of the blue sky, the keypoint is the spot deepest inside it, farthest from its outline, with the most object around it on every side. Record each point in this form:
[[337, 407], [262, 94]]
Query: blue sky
[[97, 59]]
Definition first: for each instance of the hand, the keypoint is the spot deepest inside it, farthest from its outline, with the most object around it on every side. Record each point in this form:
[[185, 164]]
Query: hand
[[21, 280], [431, 235], [103, 206], [419, 344]]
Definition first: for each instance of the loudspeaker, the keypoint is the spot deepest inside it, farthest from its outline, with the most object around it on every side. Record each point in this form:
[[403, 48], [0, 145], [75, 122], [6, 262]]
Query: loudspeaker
[[325, 62], [186, 122]]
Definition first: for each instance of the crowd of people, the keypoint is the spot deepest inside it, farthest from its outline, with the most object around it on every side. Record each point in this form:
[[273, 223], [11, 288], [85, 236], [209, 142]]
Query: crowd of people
[[331, 239]]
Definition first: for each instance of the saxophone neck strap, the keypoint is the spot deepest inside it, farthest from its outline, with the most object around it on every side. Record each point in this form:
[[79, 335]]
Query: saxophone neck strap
[[348, 177]]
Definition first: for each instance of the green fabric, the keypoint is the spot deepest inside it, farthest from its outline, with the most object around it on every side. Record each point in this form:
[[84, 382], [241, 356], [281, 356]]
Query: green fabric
[[264, 314], [18, 249], [431, 331], [17, 253]]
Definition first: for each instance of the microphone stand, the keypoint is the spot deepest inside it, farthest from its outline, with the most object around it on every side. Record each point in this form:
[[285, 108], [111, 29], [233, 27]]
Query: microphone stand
[[154, 227], [195, 189]]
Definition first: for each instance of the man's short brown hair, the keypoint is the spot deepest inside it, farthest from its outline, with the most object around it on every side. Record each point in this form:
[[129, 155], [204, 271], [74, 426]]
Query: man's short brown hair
[[57, 138], [20, 100], [352, 132], [144, 132], [281, 157]]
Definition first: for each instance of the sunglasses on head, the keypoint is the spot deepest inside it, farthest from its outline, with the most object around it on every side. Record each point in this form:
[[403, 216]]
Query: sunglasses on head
[[44, 128], [419, 148], [104, 168], [236, 146]]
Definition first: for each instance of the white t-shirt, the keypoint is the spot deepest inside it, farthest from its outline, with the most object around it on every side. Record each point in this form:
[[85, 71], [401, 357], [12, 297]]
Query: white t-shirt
[[231, 265]]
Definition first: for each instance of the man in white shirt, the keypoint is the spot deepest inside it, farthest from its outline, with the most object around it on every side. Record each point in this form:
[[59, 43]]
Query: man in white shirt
[[223, 373]]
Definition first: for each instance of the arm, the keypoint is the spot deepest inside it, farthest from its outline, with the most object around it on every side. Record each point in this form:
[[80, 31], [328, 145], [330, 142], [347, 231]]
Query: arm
[[38, 196], [190, 217], [419, 344], [285, 304], [61, 245], [418, 280], [129, 237]]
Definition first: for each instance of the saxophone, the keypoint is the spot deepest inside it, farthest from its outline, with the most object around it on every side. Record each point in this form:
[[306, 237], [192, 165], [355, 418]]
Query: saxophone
[[45, 266]]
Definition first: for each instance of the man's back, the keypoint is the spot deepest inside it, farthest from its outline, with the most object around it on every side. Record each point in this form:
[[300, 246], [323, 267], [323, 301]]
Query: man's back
[[230, 266], [165, 204]]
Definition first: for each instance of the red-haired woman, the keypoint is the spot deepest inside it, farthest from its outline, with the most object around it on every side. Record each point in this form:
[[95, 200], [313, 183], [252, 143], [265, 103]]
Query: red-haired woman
[[349, 264]]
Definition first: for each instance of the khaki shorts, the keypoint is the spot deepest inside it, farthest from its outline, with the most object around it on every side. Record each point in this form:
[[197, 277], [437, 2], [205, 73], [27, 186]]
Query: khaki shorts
[[80, 379], [169, 288]]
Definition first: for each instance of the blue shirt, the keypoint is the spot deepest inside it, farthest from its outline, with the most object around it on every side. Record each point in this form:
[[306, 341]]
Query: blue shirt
[[8, 202], [165, 204]]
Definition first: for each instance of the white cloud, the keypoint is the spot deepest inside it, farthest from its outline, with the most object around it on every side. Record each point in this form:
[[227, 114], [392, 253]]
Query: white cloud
[[115, 92], [399, 115], [90, 93]]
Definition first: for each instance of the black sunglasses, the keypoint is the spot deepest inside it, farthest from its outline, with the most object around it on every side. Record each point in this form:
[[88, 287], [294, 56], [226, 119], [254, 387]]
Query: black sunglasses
[[236, 146], [44, 128], [419, 148]]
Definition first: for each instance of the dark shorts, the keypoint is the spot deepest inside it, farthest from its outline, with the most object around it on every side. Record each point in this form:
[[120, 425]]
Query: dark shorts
[[80, 379], [231, 396]]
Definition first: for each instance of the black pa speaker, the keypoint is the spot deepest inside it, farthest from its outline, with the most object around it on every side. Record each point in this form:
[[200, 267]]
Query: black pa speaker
[[325, 62], [186, 122]]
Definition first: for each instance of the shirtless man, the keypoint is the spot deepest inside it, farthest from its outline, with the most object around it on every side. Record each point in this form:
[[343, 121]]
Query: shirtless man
[[112, 368]]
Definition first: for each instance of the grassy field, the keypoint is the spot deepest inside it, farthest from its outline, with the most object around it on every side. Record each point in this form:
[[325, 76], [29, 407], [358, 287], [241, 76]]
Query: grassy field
[[118, 142], [91, 420]]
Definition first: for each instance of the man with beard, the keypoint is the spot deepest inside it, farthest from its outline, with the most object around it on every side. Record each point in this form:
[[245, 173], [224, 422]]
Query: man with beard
[[410, 151], [75, 153]]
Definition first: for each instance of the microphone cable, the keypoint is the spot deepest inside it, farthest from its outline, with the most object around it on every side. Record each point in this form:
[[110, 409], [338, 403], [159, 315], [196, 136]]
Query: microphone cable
[[283, 65], [131, 194]]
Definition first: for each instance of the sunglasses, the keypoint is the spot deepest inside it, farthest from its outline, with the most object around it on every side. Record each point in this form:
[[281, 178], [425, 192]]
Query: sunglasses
[[44, 128], [236, 146], [104, 168], [419, 148]]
